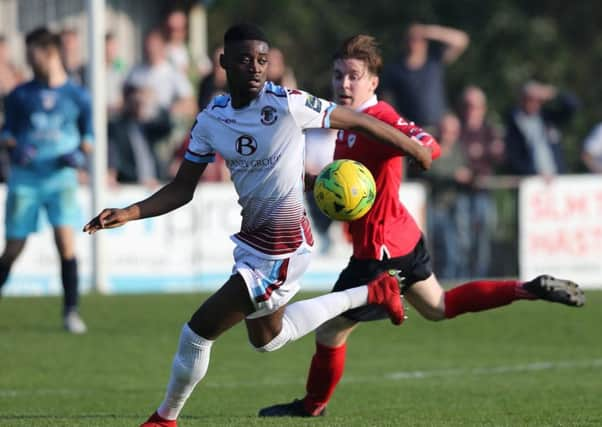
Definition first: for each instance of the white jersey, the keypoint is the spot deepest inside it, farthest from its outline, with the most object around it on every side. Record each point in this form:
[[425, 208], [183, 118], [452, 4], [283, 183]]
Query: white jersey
[[264, 148]]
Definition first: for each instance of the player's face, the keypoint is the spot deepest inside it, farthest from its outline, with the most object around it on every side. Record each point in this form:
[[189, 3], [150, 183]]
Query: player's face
[[352, 83], [39, 59], [246, 65]]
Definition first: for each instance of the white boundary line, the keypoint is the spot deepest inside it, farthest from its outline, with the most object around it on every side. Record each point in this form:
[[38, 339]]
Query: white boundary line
[[391, 376]]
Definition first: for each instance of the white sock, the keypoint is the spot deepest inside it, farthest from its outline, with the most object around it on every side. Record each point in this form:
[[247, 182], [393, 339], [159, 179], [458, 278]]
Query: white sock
[[189, 367], [304, 316]]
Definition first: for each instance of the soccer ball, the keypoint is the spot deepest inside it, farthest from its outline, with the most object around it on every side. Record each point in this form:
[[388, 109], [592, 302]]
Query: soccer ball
[[345, 190]]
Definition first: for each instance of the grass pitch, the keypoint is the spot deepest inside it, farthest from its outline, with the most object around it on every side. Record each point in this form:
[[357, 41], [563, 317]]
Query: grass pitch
[[528, 364]]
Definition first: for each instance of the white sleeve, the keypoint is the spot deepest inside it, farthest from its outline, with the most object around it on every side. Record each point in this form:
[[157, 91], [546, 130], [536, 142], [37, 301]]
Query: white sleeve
[[182, 85], [319, 149], [199, 148], [593, 142], [308, 110]]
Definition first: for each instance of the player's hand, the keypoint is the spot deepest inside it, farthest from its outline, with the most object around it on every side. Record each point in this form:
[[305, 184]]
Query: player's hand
[[23, 154], [75, 159], [423, 157], [108, 218]]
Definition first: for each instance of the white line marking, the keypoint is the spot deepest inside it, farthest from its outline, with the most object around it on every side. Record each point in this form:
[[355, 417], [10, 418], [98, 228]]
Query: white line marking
[[391, 376]]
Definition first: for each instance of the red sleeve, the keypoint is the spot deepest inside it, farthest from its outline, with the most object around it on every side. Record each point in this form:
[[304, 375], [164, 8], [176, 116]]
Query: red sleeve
[[410, 129]]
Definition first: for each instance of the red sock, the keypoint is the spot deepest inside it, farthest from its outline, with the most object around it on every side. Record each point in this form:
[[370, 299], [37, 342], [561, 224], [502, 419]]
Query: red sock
[[483, 295], [326, 370]]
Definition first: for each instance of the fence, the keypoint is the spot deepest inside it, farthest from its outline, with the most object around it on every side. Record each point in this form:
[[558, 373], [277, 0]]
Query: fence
[[553, 227]]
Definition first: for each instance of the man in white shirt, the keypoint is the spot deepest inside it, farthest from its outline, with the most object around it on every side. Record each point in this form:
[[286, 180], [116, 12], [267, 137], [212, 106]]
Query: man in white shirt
[[258, 129], [172, 90], [592, 150]]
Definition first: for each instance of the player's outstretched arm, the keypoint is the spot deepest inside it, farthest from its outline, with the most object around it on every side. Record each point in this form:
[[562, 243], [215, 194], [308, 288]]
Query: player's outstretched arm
[[348, 119], [170, 197]]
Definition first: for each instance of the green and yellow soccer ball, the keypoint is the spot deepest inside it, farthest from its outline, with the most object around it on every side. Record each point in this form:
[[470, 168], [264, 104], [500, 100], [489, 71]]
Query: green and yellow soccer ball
[[345, 190]]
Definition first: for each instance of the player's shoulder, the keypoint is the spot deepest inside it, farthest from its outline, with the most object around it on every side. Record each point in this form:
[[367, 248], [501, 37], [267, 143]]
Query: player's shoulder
[[219, 108], [272, 89], [76, 91], [24, 88], [383, 111], [218, 103]]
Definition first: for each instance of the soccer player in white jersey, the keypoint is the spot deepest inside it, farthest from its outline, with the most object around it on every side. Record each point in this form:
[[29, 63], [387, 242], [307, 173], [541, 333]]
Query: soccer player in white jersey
[[258, 129]]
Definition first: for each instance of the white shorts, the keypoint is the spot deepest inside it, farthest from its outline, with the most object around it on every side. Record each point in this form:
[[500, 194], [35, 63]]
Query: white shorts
[[271, 282]]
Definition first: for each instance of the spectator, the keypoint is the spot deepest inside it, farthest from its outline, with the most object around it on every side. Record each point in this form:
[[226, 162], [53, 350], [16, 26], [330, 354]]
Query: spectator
[[533, 138], [592, 150], [170, 89], [116, 73], [213, 84], [449, 178], [176, 33], [10, 76], [132, 137], [71, 55], [278, 71], [484, 150], [415, 84], [178, 52]]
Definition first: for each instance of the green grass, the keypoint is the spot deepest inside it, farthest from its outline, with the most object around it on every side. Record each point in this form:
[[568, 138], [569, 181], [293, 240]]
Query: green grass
[[477, 370]]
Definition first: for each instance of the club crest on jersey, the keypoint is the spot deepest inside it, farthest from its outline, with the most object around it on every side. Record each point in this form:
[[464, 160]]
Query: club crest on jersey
[[48, 99], [313, 103], [246, 145], [268, 115]]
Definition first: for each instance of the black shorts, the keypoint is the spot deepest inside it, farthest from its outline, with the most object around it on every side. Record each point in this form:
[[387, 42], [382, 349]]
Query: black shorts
[[415, 267]]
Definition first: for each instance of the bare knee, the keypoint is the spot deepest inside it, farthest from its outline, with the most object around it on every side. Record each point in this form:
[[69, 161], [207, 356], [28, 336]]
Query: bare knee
[[269, 333], [335, 332], [428, 298]]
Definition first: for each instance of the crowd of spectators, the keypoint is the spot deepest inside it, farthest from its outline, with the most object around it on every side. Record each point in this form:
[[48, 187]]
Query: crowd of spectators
[[152, 104]]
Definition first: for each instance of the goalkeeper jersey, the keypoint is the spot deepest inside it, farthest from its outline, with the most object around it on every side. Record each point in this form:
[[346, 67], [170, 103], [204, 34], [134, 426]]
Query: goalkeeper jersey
[[51, 121]]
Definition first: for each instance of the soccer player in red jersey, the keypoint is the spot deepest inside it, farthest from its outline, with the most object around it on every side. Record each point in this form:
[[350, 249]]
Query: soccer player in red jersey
[[387, 238]]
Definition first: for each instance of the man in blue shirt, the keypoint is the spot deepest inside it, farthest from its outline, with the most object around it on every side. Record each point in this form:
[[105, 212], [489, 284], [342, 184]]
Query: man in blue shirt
[[48, 130]]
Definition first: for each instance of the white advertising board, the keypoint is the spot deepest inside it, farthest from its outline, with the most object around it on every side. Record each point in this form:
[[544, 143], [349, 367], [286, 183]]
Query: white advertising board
[[560, 224], [187, 250]]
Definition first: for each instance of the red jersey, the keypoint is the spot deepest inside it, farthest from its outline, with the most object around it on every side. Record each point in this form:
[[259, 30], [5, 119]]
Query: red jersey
[[387, 229]]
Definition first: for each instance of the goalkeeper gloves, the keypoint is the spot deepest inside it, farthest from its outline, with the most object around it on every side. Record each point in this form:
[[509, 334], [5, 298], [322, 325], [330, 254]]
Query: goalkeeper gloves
[[23, 154], [75, 159]]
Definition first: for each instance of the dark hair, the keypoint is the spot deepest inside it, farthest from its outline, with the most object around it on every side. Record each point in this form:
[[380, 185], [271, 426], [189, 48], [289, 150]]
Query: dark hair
[[42, 37], [362, 47], [244, 31]]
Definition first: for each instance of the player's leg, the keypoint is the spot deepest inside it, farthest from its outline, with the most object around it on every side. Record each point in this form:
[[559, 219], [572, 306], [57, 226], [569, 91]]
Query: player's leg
[[430, 300], [434, 303], [222, 310], [21, 218], [62, 209], [325, 372], [293, 321], [328, 362], [12, 250]]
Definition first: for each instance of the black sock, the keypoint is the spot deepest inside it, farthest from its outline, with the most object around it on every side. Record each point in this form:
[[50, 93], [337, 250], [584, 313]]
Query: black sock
[[70, 281], [4, 272]]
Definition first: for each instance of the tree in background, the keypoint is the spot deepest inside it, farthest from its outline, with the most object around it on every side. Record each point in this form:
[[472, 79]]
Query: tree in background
[[512, 41]]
